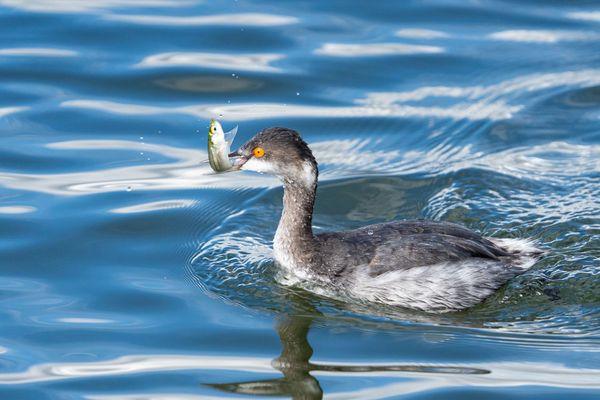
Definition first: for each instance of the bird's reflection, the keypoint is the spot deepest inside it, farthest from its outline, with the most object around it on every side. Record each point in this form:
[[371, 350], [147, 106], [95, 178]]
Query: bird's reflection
[[294, 363]]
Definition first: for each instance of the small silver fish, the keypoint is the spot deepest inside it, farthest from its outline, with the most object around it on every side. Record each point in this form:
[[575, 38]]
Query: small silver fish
[[219, 145]]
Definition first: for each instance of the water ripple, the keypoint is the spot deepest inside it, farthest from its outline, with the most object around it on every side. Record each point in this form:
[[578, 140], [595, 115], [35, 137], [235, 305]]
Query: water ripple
[[81, 6], [241, 19], [155, 206], [36, 52], [185, 172], [502, 374], [236, 62], [4, 111], [585, 15], [374, 49], [418, 33], [131, 270], [472, 102], [542, 36], [16, 209], [339, 157]]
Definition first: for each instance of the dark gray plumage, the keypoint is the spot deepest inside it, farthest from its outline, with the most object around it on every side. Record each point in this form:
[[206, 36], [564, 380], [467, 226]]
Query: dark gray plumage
[[426, 265]]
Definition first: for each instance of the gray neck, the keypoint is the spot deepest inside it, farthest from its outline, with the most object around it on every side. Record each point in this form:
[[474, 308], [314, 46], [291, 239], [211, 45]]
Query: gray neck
[[298, 203], [294, 241]]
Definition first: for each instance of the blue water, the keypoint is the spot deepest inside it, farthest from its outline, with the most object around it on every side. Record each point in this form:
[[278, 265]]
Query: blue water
[[128, 270]]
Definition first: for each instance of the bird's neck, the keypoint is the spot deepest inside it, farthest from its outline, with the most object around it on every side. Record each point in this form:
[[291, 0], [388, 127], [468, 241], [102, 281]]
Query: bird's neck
[[296, 218], [294, 237]]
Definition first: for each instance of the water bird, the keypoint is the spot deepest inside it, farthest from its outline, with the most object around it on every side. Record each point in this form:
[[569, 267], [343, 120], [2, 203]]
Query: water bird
[[418, 264]]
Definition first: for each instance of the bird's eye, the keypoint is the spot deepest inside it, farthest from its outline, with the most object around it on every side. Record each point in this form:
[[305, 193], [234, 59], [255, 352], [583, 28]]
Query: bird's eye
[[258, 152]]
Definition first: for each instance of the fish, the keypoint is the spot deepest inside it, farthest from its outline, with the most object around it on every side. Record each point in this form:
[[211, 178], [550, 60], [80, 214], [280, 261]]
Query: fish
[[219, 146]]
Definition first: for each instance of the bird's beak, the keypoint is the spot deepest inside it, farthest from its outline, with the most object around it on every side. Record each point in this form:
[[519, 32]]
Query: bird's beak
[[238, 159]]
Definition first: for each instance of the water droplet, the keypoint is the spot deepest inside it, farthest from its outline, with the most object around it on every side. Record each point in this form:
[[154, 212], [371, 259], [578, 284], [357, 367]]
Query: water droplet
[[141, 153], [297, 93], [129, 188], [141, 138], [369, 232], [159, 131], [220, 115]]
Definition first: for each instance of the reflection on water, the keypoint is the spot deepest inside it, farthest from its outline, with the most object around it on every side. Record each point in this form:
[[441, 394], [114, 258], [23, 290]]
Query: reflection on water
[[240, 62], [294, 363], [374, 49], [585, 15], [130, 270], [301, 377], [472, 102], [155, 206], [75, 6], [209, 84], [16, 209], [544, 36], [246, 19], [417, 33], [336, 157], [187, 171], [37, 52], [4, 111], [242, 112]]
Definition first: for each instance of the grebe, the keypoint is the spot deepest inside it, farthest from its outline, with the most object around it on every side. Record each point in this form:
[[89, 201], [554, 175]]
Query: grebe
[[424, 265]]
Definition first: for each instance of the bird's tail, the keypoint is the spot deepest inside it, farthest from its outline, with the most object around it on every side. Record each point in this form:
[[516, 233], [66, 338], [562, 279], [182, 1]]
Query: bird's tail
[[524, 252]]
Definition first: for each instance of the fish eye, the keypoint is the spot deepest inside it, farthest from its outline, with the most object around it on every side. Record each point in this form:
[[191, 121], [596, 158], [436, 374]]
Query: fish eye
[[258, 152]]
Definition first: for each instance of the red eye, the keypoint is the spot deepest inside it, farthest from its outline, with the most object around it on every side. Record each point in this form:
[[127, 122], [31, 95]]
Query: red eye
[[258, 152]]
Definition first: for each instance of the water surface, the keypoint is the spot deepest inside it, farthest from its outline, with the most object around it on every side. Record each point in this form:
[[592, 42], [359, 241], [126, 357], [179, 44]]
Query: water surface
[[129, 270]]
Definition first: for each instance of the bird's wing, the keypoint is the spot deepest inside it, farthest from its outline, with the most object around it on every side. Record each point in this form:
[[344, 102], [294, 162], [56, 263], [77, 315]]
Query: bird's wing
[[418, 250]]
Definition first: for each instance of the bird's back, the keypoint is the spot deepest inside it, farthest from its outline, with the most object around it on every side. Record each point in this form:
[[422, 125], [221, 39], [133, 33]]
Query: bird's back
[[403, 245], [434, 266]]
